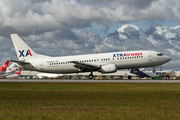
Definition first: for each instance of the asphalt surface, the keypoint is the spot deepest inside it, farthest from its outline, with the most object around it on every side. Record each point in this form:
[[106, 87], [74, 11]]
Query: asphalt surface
[[83, 81]]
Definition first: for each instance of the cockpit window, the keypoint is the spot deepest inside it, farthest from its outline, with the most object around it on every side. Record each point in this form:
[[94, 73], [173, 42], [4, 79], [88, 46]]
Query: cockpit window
[[160, 54]]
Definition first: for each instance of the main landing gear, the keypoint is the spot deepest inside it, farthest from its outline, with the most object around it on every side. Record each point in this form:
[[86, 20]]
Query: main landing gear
[[91, 75]]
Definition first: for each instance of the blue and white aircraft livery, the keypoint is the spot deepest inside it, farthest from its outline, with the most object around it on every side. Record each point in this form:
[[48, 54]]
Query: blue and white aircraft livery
[[104, 62], [164, 73]]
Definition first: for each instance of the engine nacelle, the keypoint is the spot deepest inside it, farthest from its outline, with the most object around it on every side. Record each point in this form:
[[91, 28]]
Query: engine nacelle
[[111, 68]]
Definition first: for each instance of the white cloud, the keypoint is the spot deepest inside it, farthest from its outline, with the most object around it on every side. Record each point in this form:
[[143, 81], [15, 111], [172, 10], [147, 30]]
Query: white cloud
[[175, 27], [31, 16], [121, 29]]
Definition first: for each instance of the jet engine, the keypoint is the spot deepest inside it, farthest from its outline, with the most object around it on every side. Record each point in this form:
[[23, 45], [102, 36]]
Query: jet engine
[[111, 68]]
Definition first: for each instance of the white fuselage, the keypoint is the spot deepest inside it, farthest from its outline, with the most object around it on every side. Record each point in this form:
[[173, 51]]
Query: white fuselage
[[122, 60], [13, 76], [48, 75], [166, 73]]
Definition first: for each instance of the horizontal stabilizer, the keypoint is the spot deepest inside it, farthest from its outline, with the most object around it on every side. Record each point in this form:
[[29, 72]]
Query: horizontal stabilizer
[[20, 62]]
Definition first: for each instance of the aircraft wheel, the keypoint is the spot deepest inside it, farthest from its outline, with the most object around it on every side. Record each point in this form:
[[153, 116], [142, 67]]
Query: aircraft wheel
[[90, 76], [154, 71]]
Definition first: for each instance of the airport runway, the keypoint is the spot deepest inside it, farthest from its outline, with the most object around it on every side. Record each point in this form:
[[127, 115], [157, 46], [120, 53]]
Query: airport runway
[[83, 81]]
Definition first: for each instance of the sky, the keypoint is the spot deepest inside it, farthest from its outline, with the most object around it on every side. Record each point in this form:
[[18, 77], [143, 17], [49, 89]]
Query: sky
[[73, 27]]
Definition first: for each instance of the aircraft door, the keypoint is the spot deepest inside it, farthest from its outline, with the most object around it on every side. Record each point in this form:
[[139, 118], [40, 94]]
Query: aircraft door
[[150, 57], [41, 65]]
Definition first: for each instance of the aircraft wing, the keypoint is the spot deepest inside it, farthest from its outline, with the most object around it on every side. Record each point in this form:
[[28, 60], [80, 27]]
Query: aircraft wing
[[84, 67]]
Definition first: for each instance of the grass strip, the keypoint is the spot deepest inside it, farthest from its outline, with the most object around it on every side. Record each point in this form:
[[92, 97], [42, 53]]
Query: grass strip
[[79, 101]]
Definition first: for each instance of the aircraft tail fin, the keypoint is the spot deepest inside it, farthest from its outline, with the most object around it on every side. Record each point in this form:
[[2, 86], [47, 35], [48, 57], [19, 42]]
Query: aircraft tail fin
[[134, 70], [4, 67], [15, 75], [23, 51], [12, 68], [18, 72]]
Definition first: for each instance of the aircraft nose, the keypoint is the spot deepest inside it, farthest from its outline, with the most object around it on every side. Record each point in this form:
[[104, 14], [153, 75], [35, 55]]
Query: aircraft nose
[[164, 59], [167, 59]]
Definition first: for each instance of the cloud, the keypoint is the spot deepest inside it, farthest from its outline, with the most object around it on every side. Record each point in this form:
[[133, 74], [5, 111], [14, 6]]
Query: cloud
[[135, 3], [36, 17], [63, 42], [127, 37]]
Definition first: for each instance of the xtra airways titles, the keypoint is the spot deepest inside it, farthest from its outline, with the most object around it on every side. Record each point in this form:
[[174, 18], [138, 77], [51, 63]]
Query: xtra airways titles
[[127, 54]]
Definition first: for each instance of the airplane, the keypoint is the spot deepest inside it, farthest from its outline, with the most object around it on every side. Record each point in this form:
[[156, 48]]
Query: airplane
[[165, 73], [11, 69], [3, 69], [104, 62], [15, 75], [6, 71], [48, 75]]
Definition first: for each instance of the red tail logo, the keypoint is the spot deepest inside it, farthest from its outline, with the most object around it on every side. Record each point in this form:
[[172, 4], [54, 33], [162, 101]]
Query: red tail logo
[[18, 72], [4, 66]]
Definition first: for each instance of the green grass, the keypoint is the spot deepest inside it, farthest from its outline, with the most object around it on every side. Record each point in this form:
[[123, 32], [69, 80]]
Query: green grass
[[81, 101]]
